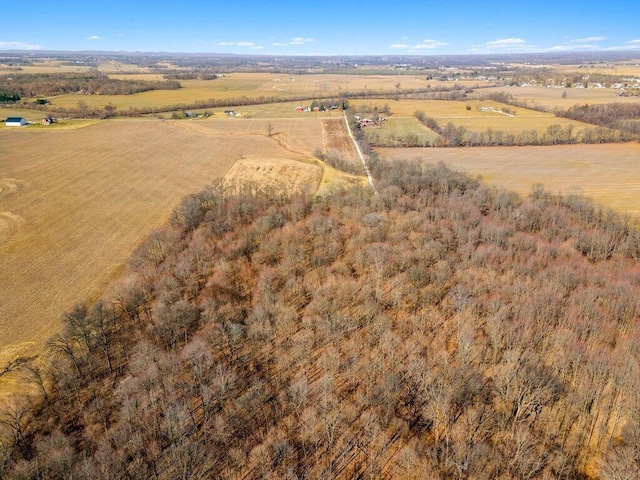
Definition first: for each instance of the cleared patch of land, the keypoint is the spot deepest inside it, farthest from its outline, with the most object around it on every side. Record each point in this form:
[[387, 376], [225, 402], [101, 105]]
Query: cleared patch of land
[[75, 204], [288, 176], [610, 174]]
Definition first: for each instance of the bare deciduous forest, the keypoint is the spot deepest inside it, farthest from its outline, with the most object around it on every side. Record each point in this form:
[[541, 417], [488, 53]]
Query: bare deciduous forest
[[441, 329]]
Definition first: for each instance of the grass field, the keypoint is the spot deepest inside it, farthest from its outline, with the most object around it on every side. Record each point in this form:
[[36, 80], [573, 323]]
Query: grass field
[[401, 131], [610, 174]]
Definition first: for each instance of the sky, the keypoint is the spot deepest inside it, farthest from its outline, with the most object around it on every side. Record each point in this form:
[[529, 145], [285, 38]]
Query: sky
[[322, 27]]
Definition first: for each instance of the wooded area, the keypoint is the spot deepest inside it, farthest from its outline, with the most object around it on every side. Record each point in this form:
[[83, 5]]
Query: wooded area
[[441, 329]]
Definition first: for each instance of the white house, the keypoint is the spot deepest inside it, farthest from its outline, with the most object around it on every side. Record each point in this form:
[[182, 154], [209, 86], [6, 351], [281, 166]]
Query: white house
[[15, 122]]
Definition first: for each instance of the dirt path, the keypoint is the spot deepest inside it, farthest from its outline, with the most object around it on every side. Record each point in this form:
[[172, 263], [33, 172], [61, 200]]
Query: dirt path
[[364, 163]]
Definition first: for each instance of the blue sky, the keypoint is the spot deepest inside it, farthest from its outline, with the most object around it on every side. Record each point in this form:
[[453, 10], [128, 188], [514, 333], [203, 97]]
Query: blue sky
[[327, 27]]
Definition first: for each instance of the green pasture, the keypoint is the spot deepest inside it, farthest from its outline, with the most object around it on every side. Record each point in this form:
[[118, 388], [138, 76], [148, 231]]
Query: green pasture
[[401, 131]]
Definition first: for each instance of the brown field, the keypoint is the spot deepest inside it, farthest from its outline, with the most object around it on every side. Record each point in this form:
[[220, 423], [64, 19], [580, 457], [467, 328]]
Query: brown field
[[75, 203], [610, 174], [336, 137], [297, 137]]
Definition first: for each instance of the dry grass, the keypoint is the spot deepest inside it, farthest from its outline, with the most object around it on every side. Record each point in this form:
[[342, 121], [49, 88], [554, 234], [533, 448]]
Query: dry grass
[[610, 174], [282, 175]]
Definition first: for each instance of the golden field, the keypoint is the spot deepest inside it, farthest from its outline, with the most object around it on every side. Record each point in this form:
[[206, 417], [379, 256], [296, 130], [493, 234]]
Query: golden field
[[610, 174]]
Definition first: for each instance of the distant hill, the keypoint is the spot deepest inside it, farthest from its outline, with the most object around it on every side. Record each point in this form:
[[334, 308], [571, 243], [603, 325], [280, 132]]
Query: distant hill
[[441, 329]]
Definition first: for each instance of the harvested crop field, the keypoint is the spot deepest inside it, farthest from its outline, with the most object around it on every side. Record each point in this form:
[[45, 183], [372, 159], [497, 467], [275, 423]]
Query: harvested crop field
[[294, 136], [610, 174], [336, 137], [75, 203]]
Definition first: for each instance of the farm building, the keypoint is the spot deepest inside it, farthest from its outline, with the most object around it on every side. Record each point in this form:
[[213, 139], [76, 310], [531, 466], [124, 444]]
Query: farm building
[[15, 122]]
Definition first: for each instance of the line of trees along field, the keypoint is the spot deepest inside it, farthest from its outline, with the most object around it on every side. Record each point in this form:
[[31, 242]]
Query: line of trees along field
[[554, 134], [442, 329], [89, 83]]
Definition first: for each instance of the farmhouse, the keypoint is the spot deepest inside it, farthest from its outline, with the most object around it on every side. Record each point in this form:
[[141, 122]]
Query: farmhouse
[[15, 122]]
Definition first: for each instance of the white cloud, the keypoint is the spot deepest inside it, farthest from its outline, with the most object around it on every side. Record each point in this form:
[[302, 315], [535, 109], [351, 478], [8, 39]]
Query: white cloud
[[506, 43], [573, 47], [294, 41], [630, 45], [425, 44], [587, 40], [428, 43], [301, 40], [250, 45], [95, 37], [19, 46]]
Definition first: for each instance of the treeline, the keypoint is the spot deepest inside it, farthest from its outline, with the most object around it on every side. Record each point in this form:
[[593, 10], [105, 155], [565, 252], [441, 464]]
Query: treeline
[[7, 98], [555, 134], [441, 329], [193, 75], [88, 83], [619, 116]]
